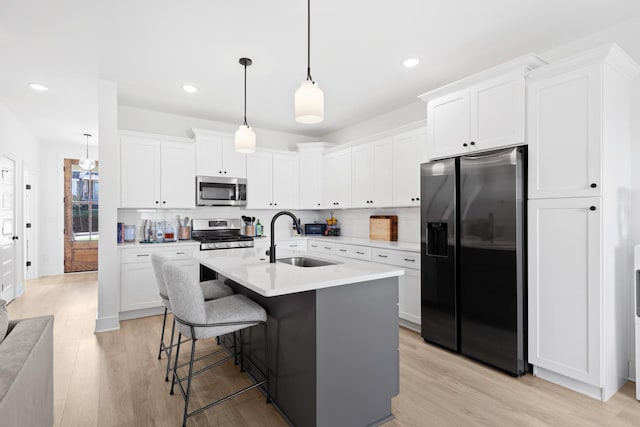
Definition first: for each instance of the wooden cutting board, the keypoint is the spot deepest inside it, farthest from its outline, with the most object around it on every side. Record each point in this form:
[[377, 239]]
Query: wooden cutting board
[[383, 227]]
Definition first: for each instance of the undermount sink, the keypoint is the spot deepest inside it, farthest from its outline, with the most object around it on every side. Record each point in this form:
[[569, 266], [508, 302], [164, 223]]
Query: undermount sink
[[300, 261]]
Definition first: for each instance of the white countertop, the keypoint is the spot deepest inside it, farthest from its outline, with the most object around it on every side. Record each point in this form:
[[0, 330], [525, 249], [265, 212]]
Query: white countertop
[[382, 244], [251, 268], [138, 245]]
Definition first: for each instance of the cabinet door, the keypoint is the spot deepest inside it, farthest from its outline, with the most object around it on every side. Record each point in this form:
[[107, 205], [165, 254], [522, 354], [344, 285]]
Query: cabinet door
[[409, 296], [406, 170], [310, 178], [564, 134], [209, 156], [234, 164], [448, 123], [564, 286], [285, 181], [337, 179], [138, 286], [382, 154], [362, 176], [259, 181], [497, 112], [178, 175], [139, 172]]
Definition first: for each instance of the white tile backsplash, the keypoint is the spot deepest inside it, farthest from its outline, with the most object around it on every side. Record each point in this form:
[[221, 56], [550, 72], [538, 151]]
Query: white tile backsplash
[[355, 222]]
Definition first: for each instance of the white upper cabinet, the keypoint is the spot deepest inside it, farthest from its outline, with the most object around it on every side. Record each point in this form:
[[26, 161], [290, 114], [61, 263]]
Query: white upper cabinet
[[310, 174], [448, 124], [216, 155], [156, 172], [336, 175], [407, 149], [482, 112], [565, 127], [372, 174], [272, 181], [497, 112]]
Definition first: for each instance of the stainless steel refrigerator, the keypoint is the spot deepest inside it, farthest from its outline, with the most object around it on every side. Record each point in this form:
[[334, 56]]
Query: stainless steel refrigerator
[[473, 260]]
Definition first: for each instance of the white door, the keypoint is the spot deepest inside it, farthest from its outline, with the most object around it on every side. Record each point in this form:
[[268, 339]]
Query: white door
[[406, 170], [337, 180], [178, 175], [497, 112], [564, 286], [285, 181], [7, 236], [564, 126], [448, 123], [259, 181], [234, 164], [140, 173], [362, 173], [382, 154]]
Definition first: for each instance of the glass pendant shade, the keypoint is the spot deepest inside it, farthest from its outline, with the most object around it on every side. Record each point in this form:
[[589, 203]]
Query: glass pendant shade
[[309, 103], [87, 164], [245, 141]]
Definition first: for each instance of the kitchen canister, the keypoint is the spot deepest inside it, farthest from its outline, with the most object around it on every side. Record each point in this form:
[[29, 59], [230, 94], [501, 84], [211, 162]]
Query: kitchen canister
[[129, 233], [184, 233]]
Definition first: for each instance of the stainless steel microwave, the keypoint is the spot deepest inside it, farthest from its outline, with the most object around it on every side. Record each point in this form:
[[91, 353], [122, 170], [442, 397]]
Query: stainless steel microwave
[[220, 191]]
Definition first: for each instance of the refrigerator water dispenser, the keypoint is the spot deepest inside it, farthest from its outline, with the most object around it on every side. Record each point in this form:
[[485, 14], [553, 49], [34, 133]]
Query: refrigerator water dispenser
[[437, 239]]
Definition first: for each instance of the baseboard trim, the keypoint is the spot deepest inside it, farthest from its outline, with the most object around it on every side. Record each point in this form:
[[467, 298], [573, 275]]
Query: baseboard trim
[[409, 325], [570, 383], [106, 324], [144, 312]]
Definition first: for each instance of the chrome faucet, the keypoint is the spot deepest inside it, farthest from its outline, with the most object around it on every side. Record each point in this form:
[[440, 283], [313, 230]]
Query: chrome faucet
[[272, 249]]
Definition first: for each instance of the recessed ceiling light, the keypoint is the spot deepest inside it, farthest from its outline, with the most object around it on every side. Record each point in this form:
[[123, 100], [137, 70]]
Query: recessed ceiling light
[[38, 86], [410, 62], [189, 88]]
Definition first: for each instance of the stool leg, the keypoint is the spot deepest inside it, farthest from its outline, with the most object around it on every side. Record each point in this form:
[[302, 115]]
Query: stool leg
[[164, 322], [235, 349], [266, 361], [241, 354], [175, 363], [173, 330], [188, 393]]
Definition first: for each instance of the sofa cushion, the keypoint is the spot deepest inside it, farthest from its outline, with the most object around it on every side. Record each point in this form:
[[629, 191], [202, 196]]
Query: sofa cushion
[[4, 319]]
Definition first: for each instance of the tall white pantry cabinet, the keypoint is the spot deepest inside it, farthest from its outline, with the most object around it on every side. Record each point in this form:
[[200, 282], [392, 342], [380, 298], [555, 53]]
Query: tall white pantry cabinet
[[578, 131]]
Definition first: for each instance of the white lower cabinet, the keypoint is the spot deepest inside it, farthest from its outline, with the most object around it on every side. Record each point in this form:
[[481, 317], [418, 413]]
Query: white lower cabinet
[[409, 284], [138, 286], [565, 283]]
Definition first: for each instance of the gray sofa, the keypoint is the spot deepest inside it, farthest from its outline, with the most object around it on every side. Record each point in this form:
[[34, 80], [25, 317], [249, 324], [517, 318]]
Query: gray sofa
[[26, 373]]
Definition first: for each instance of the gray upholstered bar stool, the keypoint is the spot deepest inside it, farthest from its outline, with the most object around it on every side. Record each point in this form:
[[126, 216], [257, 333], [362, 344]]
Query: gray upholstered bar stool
[[198, 319], [211, 289]]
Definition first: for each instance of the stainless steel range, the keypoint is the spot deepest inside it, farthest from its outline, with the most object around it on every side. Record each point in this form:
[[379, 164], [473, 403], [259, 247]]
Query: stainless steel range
[[219, 233]]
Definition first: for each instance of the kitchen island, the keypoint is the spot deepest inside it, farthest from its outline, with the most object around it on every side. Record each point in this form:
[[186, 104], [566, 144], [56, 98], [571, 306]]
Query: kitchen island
[[333, 335]]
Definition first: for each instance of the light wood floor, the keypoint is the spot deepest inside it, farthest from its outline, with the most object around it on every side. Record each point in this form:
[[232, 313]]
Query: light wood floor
[[115, 379]]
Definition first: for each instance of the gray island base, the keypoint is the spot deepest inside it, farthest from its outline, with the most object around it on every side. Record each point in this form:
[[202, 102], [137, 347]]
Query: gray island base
[[333, 352]]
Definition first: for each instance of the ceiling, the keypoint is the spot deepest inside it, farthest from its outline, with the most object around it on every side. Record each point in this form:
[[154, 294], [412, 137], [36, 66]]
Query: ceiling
[[152, 47]]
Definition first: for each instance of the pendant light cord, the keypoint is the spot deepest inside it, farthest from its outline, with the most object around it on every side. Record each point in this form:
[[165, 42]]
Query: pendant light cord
[[87, 135], [309, 41], [245, 95]]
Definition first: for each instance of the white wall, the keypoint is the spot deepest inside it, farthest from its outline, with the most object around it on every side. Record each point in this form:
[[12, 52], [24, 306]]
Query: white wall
[[136, 119], [355, 222], [51, 195], [17, 143]]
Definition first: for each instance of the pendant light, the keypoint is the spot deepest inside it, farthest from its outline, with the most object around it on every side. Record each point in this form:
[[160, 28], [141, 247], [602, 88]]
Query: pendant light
[[245, 137], [87, 164], [309, 99]]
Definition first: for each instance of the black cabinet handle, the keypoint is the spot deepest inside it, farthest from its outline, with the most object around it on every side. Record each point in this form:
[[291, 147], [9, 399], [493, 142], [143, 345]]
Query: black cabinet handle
[[328, 248], [270, 204], [14, 238], [383, 256], [164, 202], [413, 199], [219, 171], [473, 143], [594, 185], [275, 204], [343, 250], [360, 253], [318, 204], [592, 208], [410, 260], [157, 202], [464, 145], [417, 198]]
